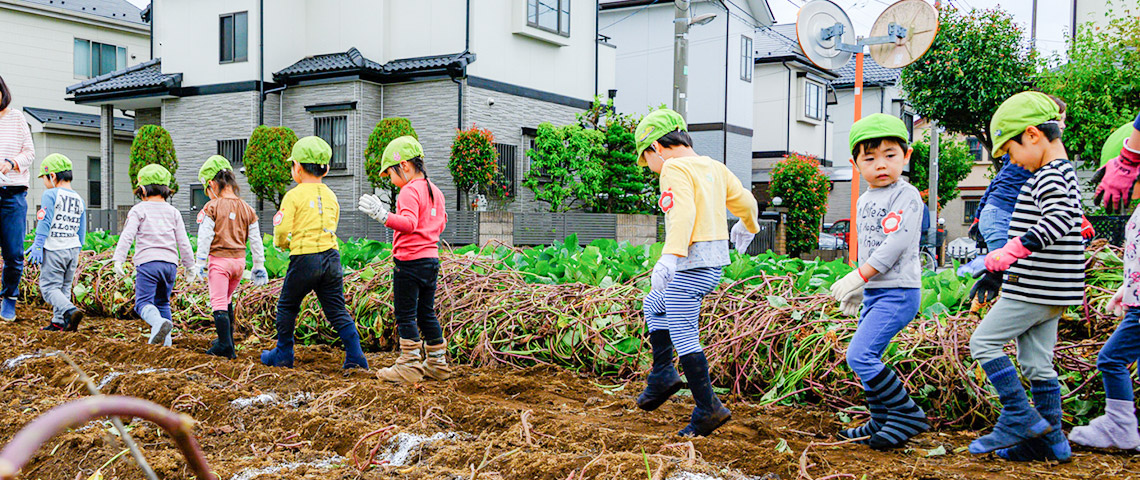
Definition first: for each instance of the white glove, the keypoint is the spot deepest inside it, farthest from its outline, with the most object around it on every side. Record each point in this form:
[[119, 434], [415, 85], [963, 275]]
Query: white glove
[[120, 270], [663, 271], [847, 285], [851, 305], [198, 271], [1116, 304], [260, 275], [741, 237], [371, 205]]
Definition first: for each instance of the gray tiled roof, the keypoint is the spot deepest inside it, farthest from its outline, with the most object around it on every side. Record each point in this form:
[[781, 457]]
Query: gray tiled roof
[[872, 73], [143, 75], [114, 9], [73, 119], [354, 61], [777, 41]]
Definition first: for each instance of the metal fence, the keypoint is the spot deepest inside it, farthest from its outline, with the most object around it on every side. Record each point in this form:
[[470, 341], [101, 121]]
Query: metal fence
[[547, 228], [1110, 227]]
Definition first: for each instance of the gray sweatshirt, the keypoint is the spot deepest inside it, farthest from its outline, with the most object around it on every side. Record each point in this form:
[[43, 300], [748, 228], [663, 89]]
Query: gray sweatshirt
[[889, 226]]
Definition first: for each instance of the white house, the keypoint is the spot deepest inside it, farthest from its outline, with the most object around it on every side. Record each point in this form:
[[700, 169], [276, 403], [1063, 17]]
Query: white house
[[50, 44], [334, 68], [720, 91]]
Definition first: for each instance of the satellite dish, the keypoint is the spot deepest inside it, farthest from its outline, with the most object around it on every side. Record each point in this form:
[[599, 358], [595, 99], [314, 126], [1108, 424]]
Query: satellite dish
[[816, 16], [920, 20]]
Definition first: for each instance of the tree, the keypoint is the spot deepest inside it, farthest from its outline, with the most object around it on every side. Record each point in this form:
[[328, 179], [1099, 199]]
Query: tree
[[798, 180], [267, 165], [955, 162], [387, 130], [978, 60], [152, 144], [1100, 82], [625, 187], [565, 165], [474, 164]]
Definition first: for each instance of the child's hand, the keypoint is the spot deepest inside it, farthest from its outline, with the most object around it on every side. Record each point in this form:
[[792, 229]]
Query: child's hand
[[987, 287], [663, 271], [1087, 230], [1001, 259], [1116, 304], [850, 306], [120, 270], [846, 286], [373, 207], [1115, 180], [260, 277], [741, 237], [35, 255], [197, 272]]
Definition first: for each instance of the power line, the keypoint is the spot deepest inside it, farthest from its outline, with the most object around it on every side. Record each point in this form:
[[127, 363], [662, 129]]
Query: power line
[[622, 19]]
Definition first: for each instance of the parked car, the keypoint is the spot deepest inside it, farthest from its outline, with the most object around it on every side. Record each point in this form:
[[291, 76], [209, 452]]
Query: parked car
[[839, 229], [828, 241]]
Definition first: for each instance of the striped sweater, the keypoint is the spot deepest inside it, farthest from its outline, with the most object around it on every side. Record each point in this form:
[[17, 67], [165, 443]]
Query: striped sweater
[[1047, 218], [16, 145]]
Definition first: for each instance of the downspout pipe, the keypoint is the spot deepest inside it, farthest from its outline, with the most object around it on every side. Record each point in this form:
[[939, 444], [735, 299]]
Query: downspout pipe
[[724, 126], [597, 17], [788, 118], [459, 83], [260, 62]]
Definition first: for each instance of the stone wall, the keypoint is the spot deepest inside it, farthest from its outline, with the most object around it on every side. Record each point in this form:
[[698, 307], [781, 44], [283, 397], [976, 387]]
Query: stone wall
[[637, 229]]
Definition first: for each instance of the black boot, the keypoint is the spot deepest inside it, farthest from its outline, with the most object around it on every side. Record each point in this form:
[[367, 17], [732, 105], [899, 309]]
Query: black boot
[[233, 321], [709, 414], [224, 345], [663, 380]]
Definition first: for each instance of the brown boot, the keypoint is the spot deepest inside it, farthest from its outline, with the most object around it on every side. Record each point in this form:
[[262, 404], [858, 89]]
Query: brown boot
[[408, 368], [435, 365]]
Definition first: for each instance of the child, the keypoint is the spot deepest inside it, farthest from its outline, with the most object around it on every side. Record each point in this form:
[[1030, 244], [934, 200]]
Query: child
[[418, 221], [159, 235], [225, 226], [888, 281], [306, 226], [694, 193], [1048, 276], [60, 234], [1117, 427]]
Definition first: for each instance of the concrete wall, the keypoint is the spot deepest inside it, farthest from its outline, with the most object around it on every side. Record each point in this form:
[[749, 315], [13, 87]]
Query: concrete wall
[[38, 61], [78, 147]]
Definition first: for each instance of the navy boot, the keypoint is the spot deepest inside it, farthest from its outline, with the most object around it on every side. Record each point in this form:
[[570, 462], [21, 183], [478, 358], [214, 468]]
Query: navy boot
[[282, 355], [709, 414], [353, 354], [663, 380], [224, 345], [1018, 422], [1053, 446]]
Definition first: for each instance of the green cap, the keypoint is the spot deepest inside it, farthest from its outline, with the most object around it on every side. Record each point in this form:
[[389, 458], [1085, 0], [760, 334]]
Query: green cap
[[154, 174], [877, 125], [1016, 113], [57, 162], [211, 168], [401, 149], [311, 150], [1115, 142], [654, 126]]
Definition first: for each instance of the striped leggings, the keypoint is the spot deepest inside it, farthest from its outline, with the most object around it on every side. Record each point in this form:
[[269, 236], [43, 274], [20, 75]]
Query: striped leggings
[[677, 308]]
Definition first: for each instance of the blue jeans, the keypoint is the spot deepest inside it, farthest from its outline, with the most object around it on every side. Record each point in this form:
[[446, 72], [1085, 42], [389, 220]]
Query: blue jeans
[[677, 308], [313, 272], [1122, 348], [13, 226], [994, 225], [153, 283], [886, 311]]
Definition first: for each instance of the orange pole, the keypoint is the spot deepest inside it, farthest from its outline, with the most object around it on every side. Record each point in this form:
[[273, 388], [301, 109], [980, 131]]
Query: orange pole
[[853, 235]]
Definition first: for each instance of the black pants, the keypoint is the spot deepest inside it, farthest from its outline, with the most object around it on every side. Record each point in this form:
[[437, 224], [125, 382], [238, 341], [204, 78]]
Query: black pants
[[413, 295], [313, 272]]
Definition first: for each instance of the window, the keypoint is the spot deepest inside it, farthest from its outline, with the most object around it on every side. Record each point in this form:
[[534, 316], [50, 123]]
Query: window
[[975, 148], [94, 182], [550, 15], [746, 62], [968, 212], [233, 150], [508, 154], [93, 58], [813, 100], [234, 37], [334, 130], [198, 198]]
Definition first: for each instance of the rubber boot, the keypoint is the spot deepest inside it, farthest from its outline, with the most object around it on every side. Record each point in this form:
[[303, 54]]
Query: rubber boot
[[1018, 422], [1115, 429], [224, 345], [1053, 446], [233, 319], [73, 317], [159, 327], [353, 354], [709, 414], [905, 420], [282, 354], [663, 380], [435, 365], [873, 425], [409, 366]]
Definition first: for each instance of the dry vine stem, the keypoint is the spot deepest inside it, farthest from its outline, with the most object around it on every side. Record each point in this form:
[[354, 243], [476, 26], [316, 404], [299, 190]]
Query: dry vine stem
[[803, 472]]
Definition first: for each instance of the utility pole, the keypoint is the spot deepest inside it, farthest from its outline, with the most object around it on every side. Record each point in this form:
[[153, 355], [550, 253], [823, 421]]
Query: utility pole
[[1033, 29], [681, 57], [932, 197]]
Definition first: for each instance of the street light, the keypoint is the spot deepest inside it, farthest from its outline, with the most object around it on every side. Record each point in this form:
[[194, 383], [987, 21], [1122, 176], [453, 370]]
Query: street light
[[681, 24]]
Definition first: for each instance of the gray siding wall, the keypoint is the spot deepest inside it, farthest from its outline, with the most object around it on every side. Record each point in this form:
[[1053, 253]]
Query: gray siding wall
[[148, 116], [431, 107]]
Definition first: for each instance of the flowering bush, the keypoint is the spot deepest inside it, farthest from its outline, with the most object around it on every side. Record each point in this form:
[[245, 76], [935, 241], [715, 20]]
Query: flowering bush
[[474, 164], [798, 180]]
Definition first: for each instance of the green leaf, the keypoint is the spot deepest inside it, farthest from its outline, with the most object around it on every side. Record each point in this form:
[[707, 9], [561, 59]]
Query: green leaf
[[776, 301]]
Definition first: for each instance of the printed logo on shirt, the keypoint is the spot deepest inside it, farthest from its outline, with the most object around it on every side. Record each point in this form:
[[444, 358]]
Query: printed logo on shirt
[[41, 214], [666, 202], [277, 219], [233, 215], [201, 216], [892, 222]]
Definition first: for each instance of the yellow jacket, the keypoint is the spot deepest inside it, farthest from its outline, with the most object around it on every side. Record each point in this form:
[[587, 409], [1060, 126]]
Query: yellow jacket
[[307, 220], [694, 194]]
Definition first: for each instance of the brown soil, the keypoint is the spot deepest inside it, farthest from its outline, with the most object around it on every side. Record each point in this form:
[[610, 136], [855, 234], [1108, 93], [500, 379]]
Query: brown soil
[[575, 421]]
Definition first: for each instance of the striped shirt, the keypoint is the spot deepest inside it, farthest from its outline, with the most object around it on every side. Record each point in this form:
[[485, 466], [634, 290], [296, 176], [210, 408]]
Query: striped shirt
[[1048, 220], [16, 145]]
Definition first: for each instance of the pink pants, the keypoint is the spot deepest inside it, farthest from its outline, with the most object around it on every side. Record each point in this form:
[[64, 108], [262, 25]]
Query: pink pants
[[222, 277]]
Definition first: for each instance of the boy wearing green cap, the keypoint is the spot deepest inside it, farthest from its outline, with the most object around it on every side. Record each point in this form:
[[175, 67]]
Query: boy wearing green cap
[[695, 190], [60, 233], [418, 221], [226, 225], [1044, 270], [306, 226], [887, 284], [156, 229]]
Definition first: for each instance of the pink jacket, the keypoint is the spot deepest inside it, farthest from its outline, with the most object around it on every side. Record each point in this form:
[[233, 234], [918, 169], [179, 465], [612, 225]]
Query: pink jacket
[[16, 145], [418, 221]]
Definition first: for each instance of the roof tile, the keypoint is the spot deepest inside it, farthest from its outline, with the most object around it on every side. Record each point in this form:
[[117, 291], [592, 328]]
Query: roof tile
[[74, 119]]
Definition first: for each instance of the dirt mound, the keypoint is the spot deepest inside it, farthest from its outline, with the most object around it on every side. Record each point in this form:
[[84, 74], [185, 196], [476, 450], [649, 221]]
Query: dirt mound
[[258, 423]]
